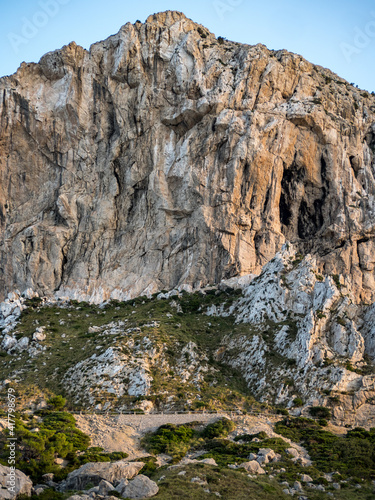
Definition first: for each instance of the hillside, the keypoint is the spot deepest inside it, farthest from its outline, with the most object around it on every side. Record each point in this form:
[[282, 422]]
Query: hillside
[[187, 228]]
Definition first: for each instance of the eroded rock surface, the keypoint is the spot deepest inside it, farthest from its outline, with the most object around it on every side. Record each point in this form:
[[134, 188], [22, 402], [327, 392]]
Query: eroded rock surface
[[164, 156], [13, 484]]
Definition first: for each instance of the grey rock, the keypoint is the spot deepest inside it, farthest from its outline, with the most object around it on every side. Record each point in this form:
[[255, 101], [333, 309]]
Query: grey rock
[[297, 486], [105, 487], [39, 488], [21, 485], [208, 461], [8, 342], [121, 486], [252, 467], [95, 472], [140, 487], [265, 455]]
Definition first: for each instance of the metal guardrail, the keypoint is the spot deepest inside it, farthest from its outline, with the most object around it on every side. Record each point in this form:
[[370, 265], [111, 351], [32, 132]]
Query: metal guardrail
[[202, 413]]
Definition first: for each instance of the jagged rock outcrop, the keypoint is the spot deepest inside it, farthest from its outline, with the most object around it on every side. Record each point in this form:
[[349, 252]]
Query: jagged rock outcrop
[[14, 483], [306, 336], [164, 156]]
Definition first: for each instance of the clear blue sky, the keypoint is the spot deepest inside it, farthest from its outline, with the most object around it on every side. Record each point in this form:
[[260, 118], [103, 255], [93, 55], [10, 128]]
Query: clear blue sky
[[336, 34]]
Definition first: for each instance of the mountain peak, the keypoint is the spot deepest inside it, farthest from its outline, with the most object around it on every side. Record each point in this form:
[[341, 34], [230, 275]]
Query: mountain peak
[[167, 17], [167, 157]]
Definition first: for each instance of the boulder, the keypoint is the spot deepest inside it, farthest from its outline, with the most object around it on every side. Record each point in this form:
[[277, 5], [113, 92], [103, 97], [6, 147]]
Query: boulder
[[48, 479], [265, 455], [39, 334], [29, 294], [8, 342], [306, 479], [105, 487], [13, 296], [22, 344], [252, 467], [293, 452], [297, 486], [140, 487], [121, 485], [39, 488], [60, 461], [208, 461], [6, 308], [305, 462], [95, 472], [11, 488]]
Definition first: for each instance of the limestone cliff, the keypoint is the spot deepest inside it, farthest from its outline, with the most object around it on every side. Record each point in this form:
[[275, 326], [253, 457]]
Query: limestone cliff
[[164, 156]]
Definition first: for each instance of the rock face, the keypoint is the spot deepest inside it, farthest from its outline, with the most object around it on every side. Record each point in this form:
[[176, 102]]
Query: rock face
[[306, 336], [164, 156], [23, 485]]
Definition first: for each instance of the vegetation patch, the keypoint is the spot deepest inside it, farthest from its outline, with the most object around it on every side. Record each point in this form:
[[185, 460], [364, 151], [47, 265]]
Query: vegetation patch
[[49, 435], [352, 455]]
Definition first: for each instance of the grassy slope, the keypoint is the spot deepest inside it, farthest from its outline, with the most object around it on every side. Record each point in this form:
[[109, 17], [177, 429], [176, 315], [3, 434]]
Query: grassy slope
[[69, 342]]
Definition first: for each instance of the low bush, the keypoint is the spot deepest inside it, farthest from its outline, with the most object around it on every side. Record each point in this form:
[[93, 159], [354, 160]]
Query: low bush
[[250, 437], [55, 436], [320, 412], [350, 455], [57, 402], [171, 439], [221, 428], [228, 452], [298, 402]]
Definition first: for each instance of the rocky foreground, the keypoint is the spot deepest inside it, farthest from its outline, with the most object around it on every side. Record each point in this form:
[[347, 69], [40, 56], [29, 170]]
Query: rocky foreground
[[241, 460]]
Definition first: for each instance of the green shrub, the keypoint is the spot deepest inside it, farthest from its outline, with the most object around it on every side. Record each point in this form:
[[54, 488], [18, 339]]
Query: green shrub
[[48, 494], [228, 452], [57, 402], [320, 412], [336, 279], [250, 437], [282, 411], [59, 421], [36, 451], [169, 438], [221, 428], [351, 455], [298, 402]]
